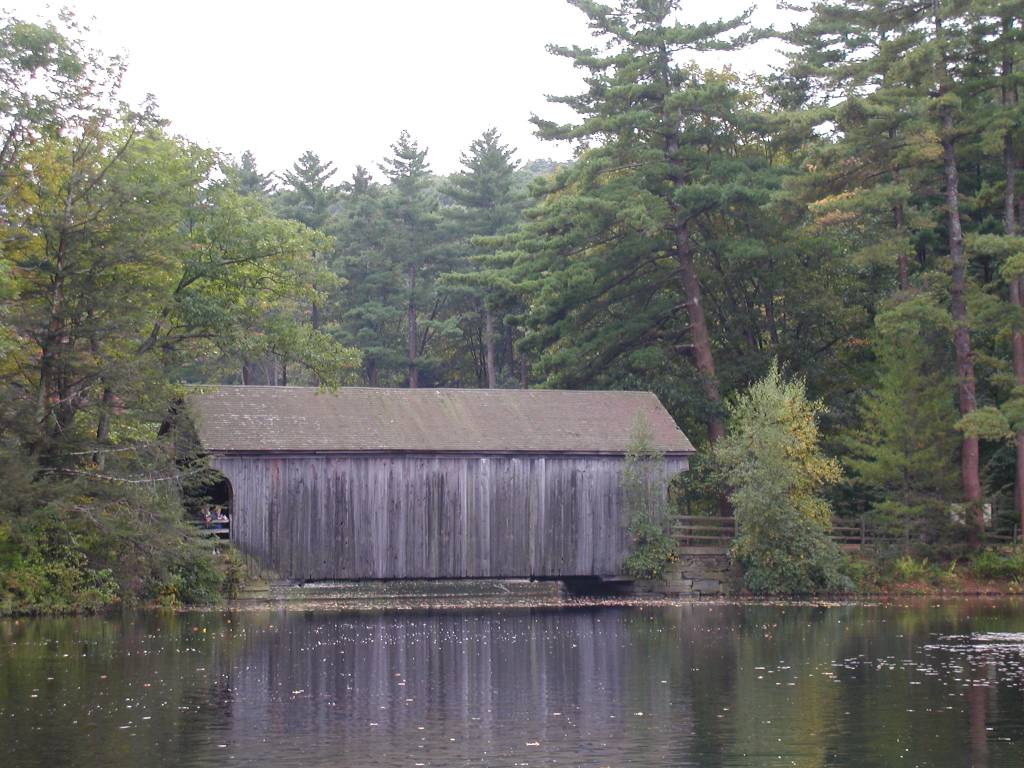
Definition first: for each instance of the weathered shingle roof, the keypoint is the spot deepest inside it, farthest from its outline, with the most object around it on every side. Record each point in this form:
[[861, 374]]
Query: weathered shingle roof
[[250, 418]]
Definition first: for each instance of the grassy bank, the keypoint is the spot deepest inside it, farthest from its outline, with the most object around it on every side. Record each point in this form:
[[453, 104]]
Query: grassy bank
[[998, 570]]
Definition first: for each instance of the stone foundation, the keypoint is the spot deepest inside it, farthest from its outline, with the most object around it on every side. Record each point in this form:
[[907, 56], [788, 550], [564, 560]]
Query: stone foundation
[[703, 575], [403, 590]]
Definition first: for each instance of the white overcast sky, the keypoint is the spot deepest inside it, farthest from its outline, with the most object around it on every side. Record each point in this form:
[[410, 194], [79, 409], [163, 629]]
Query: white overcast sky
[[343, 78]]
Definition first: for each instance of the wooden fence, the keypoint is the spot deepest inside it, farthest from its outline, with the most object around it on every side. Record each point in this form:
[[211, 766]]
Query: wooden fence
[[697, 534]]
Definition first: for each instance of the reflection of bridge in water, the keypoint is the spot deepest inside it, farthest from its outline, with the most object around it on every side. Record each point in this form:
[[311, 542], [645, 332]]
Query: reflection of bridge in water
[[537, 687]]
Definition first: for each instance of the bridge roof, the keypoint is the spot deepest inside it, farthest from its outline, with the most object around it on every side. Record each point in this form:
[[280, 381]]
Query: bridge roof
[[255, 419]]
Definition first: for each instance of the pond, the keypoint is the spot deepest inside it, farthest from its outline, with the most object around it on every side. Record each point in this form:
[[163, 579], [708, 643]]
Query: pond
[[924, 684]]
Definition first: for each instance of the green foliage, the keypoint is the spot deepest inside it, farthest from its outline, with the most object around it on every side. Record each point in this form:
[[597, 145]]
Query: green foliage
[[653, 550], [988, 423], [643, 484], [245, 177], [776, 473], [43, 570], [996, 565], [699, 490], [83, 543], [902, 454], [908, 573], [487, 204], [865, 575], [191, 577], [310, 196], [906, 569]]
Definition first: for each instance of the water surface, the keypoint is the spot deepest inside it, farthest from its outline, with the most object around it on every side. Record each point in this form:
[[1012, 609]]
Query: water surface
[[698, 684]]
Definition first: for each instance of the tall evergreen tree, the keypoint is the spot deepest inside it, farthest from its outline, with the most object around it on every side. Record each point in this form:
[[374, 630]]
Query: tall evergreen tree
[[487, 203], [412, 244], [309, 196], [916, 56], [247, 179], [997, 42], [657, 135], [371, 315], [904, 450]]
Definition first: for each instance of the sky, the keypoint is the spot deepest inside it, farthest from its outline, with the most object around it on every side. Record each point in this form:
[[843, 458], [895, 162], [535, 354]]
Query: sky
[[343, 78]]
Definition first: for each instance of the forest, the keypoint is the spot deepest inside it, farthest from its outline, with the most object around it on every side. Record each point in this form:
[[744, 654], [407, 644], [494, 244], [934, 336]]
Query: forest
[[830, 248]]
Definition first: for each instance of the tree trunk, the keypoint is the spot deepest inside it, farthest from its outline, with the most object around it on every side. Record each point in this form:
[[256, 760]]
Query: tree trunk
[[54, 343], [703, 357], [1017, 299], [510, 355], [969, 453], [769, 318], [1009, 99], [106, 401], [492, 373], [977, 718], [902, 260], [411, 346]]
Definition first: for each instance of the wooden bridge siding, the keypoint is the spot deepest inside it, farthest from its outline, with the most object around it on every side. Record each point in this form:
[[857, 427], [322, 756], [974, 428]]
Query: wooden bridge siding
[[418, 516]]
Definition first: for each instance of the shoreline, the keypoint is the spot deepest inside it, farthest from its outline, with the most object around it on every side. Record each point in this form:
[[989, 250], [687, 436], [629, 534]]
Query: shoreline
[[468, 604]]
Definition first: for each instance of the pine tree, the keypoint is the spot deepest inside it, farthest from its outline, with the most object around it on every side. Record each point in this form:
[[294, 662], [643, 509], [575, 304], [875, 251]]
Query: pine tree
[[309, 197], [903, 453], [917, 58], [656, 136], [247, 179], [997, 38], [370, 315], [413, 245], [487, 204]]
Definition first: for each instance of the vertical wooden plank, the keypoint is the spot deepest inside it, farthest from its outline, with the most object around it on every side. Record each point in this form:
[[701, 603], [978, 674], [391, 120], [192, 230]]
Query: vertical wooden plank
[[473, 491], [499, 501], [487, 491], [539, 523], [464, 537], [423, 516], [324, 563]]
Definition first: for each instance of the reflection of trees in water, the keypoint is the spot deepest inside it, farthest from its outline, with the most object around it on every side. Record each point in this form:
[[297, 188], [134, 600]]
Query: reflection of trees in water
[[692, 648], [774, 648], [890, 701], [108, 673]]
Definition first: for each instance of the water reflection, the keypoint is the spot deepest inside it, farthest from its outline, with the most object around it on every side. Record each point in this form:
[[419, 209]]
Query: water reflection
[[702, 685]]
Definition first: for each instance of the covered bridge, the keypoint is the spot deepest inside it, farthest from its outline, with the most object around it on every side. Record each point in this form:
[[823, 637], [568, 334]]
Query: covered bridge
[[365, 483]]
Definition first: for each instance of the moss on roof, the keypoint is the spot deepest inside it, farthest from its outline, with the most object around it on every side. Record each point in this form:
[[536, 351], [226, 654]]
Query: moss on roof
[[289, 419]]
